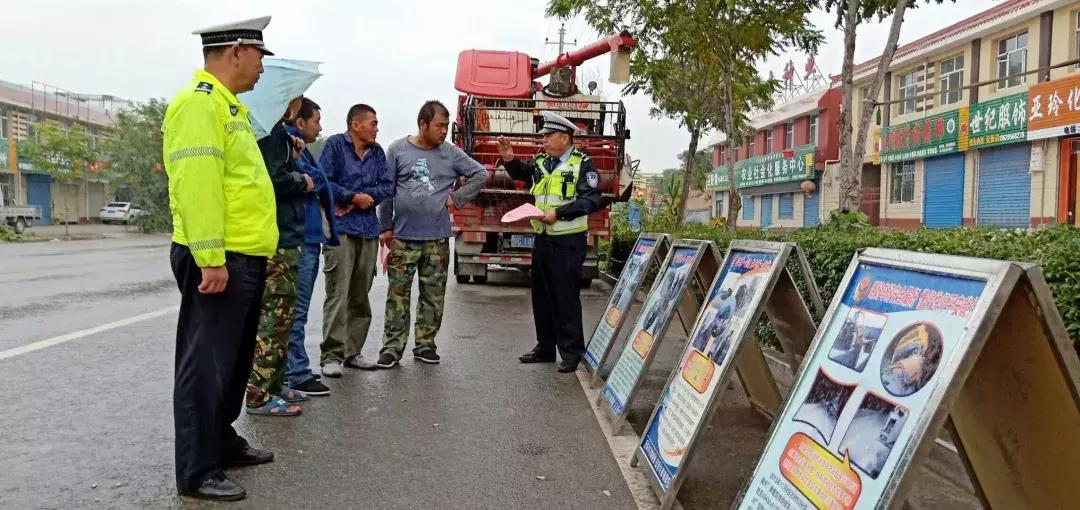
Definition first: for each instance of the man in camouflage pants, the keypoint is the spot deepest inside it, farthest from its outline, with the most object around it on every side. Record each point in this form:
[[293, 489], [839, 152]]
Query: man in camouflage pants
[[415, 224], [266, 394]]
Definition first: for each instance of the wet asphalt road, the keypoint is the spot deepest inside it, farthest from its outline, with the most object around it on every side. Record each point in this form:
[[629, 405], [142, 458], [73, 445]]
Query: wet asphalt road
[[88, 422]]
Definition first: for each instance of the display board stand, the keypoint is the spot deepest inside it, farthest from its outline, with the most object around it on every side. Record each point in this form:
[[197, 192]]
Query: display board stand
[[976, 345], [754, 278], [688, 260], [644, 256]]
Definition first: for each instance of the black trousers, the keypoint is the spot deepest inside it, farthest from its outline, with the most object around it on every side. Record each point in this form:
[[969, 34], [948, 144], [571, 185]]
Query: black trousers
[[215, 344], [556, 294]]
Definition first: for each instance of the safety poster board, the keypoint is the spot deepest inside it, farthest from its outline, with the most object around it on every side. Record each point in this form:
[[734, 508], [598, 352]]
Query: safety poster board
[[754, 278], [910, 342], [637, 353], [647, 250]]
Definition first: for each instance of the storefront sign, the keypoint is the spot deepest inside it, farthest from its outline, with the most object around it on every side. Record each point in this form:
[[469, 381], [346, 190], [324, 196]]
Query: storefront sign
[[933, 136], [996, 122], [768, 169], [1053, 108], [641, 261]]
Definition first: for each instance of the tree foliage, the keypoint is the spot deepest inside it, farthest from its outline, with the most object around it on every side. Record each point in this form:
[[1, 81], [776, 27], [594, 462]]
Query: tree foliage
[[696, 58], [63, 153], [134, 153]]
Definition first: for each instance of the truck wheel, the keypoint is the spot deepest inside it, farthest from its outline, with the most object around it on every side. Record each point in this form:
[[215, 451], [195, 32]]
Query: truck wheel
[[20, 226], [479, 279], [462, 278]]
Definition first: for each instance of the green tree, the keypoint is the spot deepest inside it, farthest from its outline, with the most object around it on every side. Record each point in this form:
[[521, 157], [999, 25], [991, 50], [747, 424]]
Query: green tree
[[134, 153], [696, 59], [63, 154], [701, 168], [849, 15]]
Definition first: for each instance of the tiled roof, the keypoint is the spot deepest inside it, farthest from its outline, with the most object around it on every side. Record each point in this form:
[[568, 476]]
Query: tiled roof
[[957, 31]]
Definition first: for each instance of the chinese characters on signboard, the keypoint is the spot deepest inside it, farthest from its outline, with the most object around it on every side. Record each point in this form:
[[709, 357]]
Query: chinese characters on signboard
[[768, 169], [1053, 108], [933, 136], [997, 122]]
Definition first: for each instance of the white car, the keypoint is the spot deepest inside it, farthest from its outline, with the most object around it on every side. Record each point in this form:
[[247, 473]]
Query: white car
[[119, 212]]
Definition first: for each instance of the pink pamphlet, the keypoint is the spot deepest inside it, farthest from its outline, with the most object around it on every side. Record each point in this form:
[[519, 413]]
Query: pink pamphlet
[[525, 211]]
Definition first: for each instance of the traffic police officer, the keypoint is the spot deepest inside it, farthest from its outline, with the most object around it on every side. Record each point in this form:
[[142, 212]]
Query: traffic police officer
[[224, 229], [566, 187]]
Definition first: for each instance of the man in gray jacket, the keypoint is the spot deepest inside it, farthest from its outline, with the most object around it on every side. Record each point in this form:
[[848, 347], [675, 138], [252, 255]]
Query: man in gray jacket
[[415, 223]]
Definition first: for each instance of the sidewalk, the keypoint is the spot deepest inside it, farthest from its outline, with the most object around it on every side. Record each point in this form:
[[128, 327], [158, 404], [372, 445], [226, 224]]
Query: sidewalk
[[79, 232]]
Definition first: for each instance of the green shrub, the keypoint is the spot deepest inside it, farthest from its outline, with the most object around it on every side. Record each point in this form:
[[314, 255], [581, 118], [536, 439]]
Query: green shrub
[[7, 234], [830, 248]]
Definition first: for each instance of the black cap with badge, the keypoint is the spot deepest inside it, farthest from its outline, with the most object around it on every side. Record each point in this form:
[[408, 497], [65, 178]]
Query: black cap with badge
[[247, 32]]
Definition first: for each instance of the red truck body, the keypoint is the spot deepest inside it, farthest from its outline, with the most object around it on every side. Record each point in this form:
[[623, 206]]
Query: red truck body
[[500, 98]]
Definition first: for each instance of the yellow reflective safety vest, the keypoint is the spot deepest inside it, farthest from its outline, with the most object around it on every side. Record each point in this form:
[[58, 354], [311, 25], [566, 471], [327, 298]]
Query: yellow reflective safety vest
[[220, 193], [558, 188]]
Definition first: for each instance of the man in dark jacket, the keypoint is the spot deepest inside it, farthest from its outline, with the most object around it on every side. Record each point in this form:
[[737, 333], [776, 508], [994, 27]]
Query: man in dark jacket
[[320, 227], [265, 385]]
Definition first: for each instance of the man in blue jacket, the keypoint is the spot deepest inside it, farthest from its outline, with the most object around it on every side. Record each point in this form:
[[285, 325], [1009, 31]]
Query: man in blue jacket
[[360, 178], [319, 228]]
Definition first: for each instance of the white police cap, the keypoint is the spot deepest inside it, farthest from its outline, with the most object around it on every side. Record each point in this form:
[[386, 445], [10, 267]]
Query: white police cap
[[247, 32], [557, 124]]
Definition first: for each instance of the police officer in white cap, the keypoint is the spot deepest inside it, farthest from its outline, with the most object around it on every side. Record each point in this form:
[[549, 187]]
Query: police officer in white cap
[[224, 229], [566, 187]]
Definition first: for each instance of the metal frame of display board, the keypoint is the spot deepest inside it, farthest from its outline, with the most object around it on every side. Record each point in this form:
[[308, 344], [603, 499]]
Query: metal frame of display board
[[1011, 397], [780, 300], [704, 249], [660, 250]]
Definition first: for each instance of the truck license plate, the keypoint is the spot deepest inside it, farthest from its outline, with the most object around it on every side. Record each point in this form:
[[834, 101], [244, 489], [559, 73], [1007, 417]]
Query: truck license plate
[[522, 241]]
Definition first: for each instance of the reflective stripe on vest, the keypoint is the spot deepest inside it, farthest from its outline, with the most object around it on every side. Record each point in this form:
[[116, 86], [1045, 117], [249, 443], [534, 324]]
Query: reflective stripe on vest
[[558, 188]]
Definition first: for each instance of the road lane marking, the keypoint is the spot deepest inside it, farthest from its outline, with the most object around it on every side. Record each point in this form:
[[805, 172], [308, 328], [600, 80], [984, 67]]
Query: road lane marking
[[83, 333], [623, 448]]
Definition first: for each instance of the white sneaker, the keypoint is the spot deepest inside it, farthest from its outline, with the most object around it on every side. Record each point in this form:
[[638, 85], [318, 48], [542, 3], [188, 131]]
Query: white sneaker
[[359, 361], [332, 369]]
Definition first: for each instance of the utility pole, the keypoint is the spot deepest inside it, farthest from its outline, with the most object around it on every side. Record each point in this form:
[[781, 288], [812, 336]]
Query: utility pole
[[562, 39]]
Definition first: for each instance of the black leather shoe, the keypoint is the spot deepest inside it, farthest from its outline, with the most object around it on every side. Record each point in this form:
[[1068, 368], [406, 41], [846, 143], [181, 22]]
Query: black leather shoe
[[217, 488], [566, 367], [537, 357], [247, 457]]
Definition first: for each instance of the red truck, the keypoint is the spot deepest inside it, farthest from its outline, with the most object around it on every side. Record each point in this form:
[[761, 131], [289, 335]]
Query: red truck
[[500, 97]]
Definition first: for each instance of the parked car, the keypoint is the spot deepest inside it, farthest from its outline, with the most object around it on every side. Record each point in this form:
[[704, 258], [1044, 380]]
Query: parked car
[[120, 212]]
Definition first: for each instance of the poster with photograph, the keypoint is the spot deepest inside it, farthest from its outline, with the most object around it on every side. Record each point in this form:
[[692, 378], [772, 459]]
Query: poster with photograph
[[838, 442], [703, 365], [621, 298], [655, 314]]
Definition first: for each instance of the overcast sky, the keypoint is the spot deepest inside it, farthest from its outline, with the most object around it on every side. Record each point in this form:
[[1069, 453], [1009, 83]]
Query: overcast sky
[[392, 55]]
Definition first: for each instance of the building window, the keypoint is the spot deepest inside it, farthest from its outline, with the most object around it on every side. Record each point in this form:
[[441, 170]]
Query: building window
[[813, 129], [952, 78], [907, 90], [789, 135], [1012, 61], [902, 183], [1077, 36], [750, 148], [787, 206], [747, 208], [768, 141], [721, 212], [3, 124]]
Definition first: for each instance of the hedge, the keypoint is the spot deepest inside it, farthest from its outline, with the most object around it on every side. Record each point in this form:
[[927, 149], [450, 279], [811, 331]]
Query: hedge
[[830, 248]]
